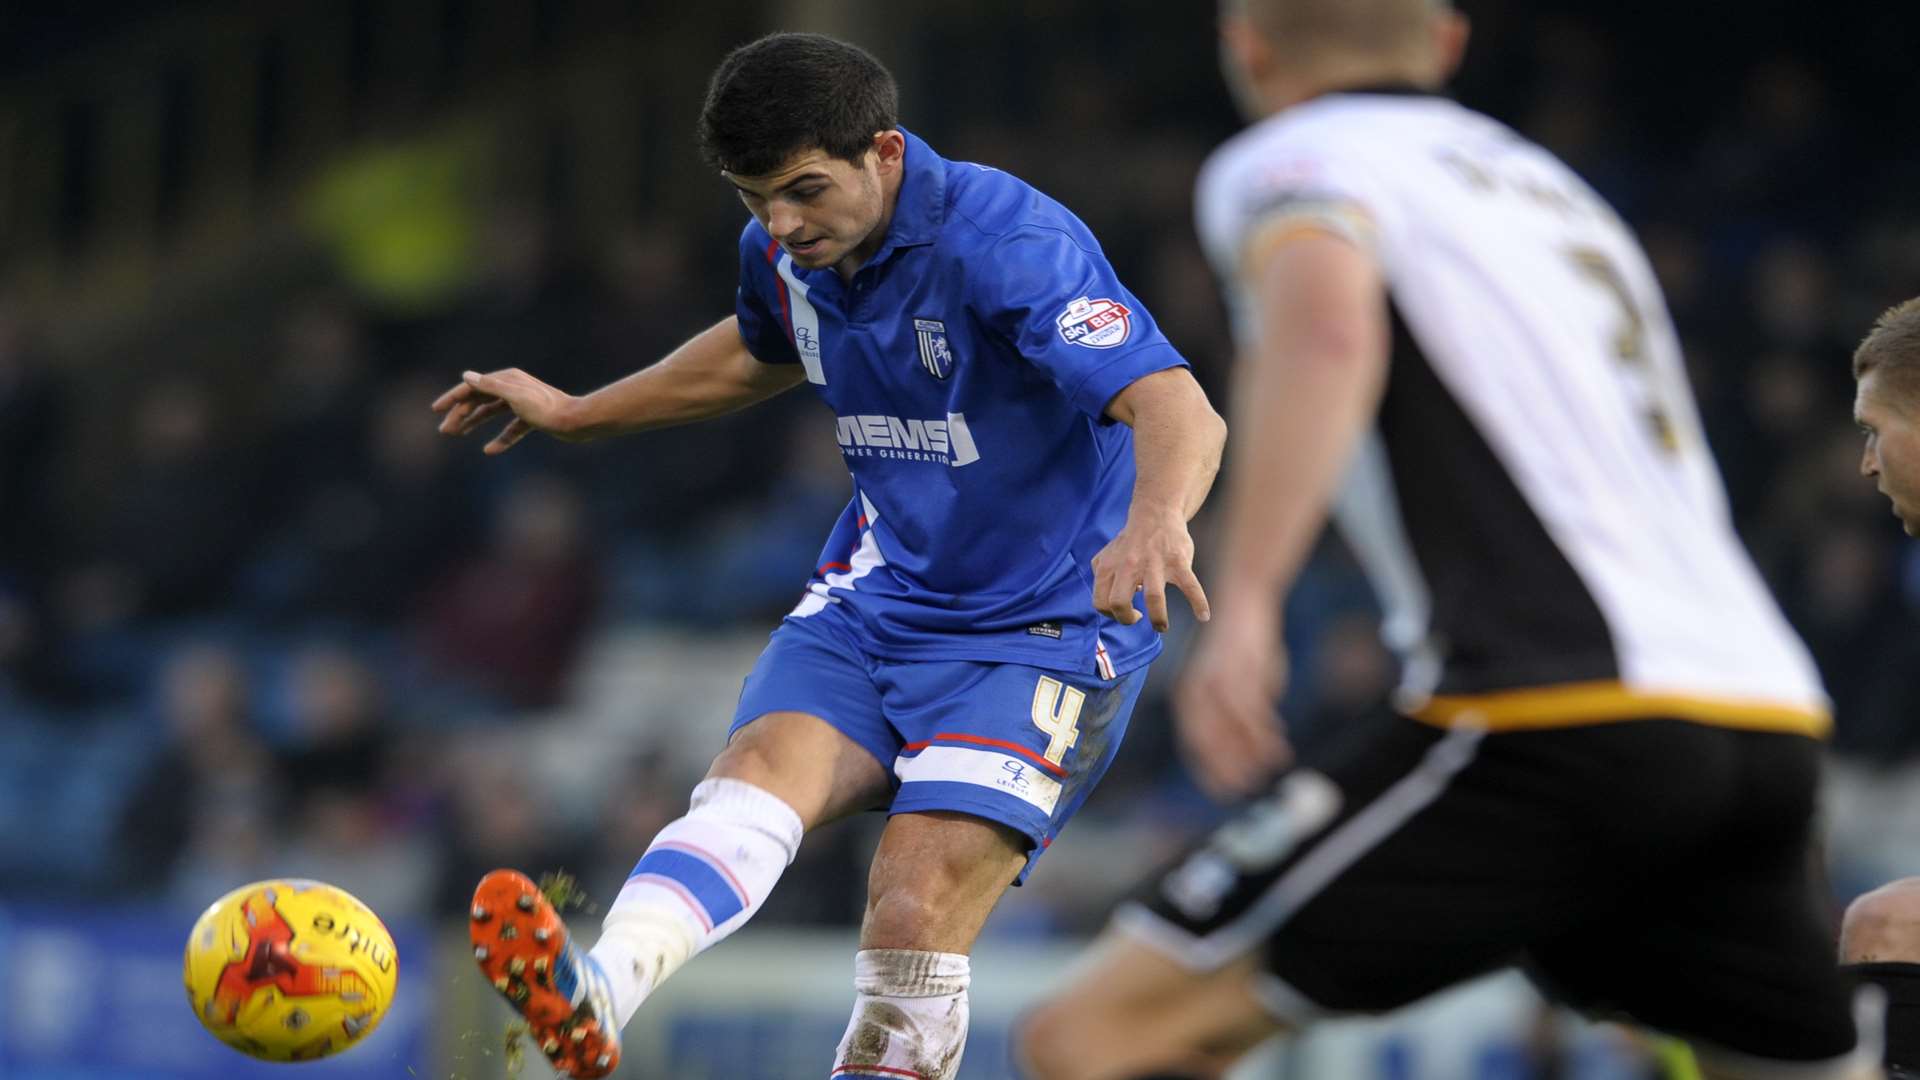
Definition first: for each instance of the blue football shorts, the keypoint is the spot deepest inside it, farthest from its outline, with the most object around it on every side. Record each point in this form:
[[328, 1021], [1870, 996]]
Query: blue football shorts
[[1021, 746]]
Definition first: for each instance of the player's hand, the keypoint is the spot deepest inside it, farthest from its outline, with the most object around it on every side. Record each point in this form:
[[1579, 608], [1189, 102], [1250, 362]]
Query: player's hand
[[534, 406], [1151, 553], [1224, 704]]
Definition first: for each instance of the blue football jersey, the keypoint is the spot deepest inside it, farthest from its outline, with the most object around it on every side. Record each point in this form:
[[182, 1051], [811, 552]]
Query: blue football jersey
[[968, 365]]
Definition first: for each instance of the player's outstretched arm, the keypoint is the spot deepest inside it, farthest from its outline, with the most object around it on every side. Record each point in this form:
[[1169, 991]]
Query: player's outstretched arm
[[711, 375], [1177, 439], [1305, 391]]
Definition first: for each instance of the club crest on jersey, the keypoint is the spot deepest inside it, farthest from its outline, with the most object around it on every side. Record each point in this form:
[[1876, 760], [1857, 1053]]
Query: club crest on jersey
[[1097, 324], [936, 355]]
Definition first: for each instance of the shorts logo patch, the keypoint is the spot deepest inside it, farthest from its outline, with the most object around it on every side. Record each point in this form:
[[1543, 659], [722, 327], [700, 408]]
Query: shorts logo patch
[[1016, 778], [948, 764], [936, 354], [1097, 324]]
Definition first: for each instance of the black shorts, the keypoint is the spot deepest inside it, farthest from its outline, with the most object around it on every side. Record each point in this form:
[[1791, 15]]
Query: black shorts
[[1654, 868]]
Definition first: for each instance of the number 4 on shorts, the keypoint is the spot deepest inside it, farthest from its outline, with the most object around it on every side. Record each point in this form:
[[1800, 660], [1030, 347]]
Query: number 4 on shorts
[[1056, 711]]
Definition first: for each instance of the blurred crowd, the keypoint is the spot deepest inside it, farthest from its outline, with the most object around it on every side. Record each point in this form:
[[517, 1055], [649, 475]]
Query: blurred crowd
[[258, 617]]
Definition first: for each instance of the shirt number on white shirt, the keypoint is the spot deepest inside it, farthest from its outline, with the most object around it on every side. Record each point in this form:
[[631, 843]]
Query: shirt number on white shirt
[[1629, 344]]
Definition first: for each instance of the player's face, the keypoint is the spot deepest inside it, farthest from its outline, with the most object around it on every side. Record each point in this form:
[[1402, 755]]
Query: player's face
[[1892, 453], [819, 208]]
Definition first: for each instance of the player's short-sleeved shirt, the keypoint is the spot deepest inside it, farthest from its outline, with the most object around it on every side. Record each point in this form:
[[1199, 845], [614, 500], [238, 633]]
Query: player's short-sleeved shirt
[[968, 365], [1540, 509]]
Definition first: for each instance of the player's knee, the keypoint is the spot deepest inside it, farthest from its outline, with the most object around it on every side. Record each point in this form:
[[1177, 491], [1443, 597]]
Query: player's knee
[[745, 758], [911, 902], [1883, 925], [904, 915], [935, 878], [756, 758]]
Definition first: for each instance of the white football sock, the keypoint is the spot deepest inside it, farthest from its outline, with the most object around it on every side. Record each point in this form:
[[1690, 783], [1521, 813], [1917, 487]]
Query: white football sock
[[910, 1015], [701, 879]]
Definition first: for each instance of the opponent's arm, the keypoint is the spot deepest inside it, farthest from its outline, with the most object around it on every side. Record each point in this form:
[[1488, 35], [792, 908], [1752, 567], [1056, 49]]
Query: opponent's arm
[[1176, 452], [1305, 392], [1304, 395], [711, 375]]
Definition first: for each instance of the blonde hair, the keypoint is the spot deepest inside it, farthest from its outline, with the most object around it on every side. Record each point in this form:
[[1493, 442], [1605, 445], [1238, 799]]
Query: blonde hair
[[1893, 346], [1364, 27]]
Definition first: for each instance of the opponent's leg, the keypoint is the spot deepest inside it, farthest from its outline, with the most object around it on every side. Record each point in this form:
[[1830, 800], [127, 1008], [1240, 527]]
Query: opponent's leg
[[1318, 898], [935, 878], [1130, 1013], [1880, 944], [702, 878], [1724, 941]]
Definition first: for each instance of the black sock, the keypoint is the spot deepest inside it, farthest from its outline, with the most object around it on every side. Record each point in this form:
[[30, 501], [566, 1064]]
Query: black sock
[[1902, 984]]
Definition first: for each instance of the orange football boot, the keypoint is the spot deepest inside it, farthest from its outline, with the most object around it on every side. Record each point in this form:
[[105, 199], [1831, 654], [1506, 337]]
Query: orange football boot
[[524, 950]]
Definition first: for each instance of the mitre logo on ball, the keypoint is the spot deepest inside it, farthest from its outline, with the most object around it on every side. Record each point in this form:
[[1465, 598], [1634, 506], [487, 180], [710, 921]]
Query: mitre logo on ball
[[290, 970]]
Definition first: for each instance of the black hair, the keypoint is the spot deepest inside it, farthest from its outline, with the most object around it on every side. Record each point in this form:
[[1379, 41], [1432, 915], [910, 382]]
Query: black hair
[[789, 93]]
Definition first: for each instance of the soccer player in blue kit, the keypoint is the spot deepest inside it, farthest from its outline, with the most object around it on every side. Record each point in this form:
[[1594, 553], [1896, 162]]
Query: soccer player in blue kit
[[1026, 450]]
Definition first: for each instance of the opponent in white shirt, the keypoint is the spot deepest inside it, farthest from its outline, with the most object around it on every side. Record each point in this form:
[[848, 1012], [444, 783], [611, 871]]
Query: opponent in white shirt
[[1603, 760]]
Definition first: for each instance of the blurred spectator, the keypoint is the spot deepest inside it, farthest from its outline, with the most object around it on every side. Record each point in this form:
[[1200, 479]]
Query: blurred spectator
[[1792, 300], [313, 408], [398, 217], [340, 737], [1779, 407], [531, 308], [1188, 307], [33, 428], [172, 523], [212, 784], [827, 883], [510, 621], [233, 839], [19, 641], [754, 561], [1774, 160], [1886, 257], [1860, 633], [360, 543], [643, 797], [665, 488], [495, 818], [1577, 64], [650, 301], [1680, 264], [341, 836]]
